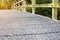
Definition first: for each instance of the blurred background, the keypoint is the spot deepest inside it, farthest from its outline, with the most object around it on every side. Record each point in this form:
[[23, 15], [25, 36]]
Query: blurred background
[[17, 5]]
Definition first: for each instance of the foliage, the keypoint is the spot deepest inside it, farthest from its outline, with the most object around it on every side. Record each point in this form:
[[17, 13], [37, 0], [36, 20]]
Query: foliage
[[43, 1], [29, 9], [44, 11], [28, 1], [59, 14]]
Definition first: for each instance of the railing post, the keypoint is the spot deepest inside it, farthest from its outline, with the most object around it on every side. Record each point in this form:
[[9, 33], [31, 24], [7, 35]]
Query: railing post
[[54, 10], [24, 5], [33, 8]]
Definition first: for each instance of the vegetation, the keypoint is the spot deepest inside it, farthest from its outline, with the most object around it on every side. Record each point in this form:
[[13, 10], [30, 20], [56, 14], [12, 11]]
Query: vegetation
[[43, 1], [44, 11], [5, 4], [59, 14]]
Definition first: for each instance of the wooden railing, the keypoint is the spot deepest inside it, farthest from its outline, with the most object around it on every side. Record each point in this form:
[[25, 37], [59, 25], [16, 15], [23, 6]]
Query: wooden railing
[[54, 5]]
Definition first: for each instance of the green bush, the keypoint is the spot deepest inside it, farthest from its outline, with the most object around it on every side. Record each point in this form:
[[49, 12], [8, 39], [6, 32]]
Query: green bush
[[44, 11], [58, 14], [43, 1]]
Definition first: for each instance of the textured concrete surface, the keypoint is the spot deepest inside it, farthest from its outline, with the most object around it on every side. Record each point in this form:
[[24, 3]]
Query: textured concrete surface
[[17, 25]]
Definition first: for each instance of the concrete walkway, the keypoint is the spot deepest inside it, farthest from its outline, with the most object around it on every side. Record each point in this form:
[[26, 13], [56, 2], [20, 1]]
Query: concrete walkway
[[17, 25]]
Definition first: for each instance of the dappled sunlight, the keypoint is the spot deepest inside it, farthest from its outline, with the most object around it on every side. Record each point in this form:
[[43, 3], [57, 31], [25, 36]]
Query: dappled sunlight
[[5, 4]]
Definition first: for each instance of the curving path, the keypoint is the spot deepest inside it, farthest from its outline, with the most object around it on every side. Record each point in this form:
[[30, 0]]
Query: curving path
[[17, 25]]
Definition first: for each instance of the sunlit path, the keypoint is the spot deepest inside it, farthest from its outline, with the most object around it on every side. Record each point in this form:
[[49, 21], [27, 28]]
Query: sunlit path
[[17, 25]]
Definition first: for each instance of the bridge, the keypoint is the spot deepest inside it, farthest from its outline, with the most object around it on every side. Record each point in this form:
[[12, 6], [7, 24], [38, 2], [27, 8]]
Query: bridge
[[22, 25], [54, 5], [18, 25]]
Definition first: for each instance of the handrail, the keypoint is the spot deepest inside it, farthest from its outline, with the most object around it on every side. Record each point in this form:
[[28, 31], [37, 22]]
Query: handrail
[[17, 3]]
